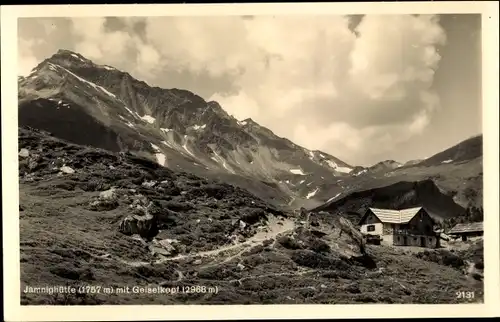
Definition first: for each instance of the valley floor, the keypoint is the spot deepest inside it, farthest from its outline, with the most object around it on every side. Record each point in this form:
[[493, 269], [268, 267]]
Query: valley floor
[[64, 244]]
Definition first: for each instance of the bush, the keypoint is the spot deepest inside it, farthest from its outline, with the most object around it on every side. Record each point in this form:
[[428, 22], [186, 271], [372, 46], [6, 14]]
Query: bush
[[442, 257], [319, 246], [288, 242], [95, 184], [177, 206], [311, 259], [67, 271], [66, 185], [217, 272], [253, 216], [165, 270]]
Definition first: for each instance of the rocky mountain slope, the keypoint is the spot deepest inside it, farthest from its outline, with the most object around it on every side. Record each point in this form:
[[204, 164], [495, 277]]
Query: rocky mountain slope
[[97, 105], [95, 218], [461, 179], [400, 195]]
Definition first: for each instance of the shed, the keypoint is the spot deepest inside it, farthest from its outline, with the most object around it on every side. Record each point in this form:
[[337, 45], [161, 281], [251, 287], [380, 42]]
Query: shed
[[474, 229]]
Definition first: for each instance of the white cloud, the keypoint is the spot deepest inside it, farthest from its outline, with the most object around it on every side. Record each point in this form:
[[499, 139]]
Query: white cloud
[[308, 78], [26, 60]]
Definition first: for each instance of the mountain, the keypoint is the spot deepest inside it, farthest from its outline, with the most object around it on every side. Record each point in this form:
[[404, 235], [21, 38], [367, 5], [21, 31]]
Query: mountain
[[464, 151], [86, 103], [384, 166], [461, 179], [98, 105], [400, 195]]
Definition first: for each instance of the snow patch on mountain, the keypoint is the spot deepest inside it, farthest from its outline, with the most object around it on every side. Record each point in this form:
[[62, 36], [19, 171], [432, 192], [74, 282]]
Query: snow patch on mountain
[[312, 193], [155, 147], [338, 168], [358, 173], [338, 194], [220, 159], [184, 146], [148, 118], [165, 129], [160, 158], [166, 143], [131, 112], [199, 127], [85, 81], [298, 172], [447, 161], [77, 57]]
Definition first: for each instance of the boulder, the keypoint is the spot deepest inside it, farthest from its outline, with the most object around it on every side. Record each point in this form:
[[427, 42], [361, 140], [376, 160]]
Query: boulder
[[67, 170], [168, 247], [103, 205], [144, 226], [149, 184], [160, 250], [139, 200], [109, 194], [24, 153]]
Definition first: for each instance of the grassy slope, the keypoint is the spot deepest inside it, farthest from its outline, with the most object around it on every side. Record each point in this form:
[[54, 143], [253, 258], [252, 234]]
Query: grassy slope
[[64, 242]]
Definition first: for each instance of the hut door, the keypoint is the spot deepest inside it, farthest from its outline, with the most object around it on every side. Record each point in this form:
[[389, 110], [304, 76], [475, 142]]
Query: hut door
[[422, 241]]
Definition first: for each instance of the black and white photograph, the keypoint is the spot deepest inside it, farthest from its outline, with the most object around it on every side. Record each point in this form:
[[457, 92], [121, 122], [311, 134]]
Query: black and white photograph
[[250, 159]]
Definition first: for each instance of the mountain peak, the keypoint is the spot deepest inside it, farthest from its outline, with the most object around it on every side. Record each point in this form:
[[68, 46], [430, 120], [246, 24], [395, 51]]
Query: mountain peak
[[249, 120], [66, 51], [70, 54]]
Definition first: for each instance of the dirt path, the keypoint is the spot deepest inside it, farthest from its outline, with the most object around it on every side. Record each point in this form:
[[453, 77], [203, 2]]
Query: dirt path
[[274, 229]]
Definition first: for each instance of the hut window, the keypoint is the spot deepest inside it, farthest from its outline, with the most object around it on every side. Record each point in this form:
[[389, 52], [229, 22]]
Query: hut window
[[414, 238], [370, 228]]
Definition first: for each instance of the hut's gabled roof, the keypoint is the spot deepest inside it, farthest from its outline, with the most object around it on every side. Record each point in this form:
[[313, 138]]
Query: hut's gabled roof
[[394, 216], [467, 228]]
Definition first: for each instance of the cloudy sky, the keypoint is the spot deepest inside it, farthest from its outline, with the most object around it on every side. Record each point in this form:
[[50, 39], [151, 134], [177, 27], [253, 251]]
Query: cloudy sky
[[362, 88]]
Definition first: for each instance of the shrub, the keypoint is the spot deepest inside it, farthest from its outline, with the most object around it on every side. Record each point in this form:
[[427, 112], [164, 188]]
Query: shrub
[[95, 184], [311, 259], [67, 271], [217, 272], [319, 246], [253, 215], [288, 242], [66, 185], [442, 257]]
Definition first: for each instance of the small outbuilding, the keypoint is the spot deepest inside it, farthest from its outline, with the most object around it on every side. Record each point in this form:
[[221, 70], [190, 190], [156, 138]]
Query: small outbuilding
[[465, 231]]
